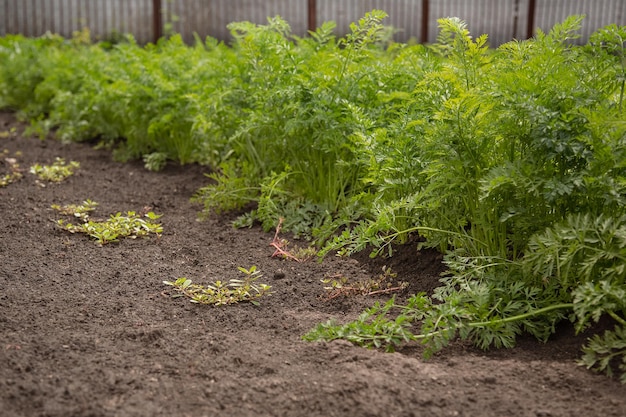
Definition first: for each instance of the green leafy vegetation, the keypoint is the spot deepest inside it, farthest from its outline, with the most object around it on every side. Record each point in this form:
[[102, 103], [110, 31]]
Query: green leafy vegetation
[[77, 210], [510, 161], [522, 184], [131, 225], [440, 324], [15, 172], [5, 134], [221, 293], [155, 161], [56, 172]]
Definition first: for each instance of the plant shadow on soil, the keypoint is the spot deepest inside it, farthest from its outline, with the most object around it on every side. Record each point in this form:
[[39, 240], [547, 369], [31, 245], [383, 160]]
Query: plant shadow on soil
[[92, 331]]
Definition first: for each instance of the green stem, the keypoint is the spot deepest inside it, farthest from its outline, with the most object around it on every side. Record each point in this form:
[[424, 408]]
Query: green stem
[[617, 318], [504, 320], [621, 94]]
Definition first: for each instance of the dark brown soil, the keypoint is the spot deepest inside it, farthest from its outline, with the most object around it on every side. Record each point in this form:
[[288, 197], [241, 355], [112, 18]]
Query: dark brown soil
[[91, 331]]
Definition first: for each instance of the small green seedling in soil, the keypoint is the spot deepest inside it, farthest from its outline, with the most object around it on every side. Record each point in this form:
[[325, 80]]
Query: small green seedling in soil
[[56, 172], [77, 210], [5, 134], [221, 293], [117, 226], [131, 225], [14, 174], [338, 285]]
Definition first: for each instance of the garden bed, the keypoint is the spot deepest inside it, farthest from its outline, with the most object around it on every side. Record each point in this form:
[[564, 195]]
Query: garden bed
[[91, 330]]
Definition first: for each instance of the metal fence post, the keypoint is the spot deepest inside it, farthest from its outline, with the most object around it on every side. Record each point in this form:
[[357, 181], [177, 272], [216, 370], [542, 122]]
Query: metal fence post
[[312, 15], [425, 13], [157, 20], [530, 29]]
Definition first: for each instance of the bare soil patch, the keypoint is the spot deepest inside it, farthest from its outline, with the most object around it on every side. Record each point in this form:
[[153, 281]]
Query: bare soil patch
[[89, 331]]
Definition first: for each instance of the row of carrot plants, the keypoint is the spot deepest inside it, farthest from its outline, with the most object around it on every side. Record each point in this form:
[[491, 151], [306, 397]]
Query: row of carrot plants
[[511, 161]]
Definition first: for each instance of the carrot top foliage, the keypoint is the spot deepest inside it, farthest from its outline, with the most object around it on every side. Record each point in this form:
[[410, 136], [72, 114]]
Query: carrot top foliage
[[511, 161]]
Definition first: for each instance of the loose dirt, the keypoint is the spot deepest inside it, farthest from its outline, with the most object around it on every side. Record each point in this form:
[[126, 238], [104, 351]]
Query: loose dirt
[[88, 330]]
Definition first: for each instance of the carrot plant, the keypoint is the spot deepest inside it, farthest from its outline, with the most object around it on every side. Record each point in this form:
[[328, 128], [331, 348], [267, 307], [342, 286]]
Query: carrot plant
[[518, 179], [296, 143], [22, 70]]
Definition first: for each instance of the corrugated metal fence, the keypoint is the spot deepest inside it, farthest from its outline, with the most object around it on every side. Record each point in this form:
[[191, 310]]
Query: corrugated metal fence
[[502, 20]]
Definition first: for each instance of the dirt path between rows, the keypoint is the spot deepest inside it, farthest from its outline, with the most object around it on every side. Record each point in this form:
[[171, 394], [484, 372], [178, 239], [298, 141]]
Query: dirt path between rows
[[91, 331]]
